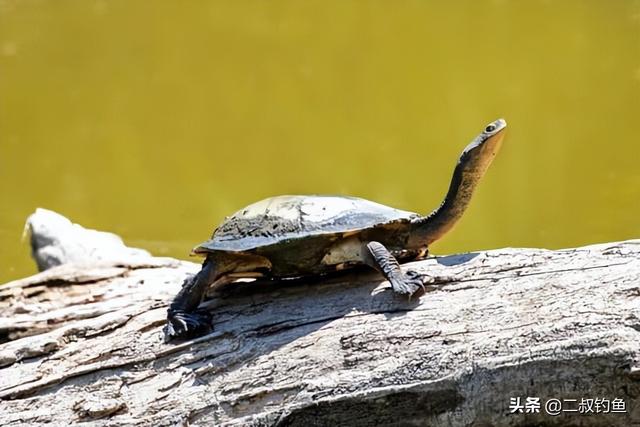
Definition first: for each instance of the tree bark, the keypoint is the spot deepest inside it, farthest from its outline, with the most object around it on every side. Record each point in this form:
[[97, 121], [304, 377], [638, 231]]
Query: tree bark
[[82, 342]]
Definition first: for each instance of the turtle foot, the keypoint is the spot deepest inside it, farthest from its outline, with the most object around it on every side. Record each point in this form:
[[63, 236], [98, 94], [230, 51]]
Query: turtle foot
[[182, 325], [410, 282]]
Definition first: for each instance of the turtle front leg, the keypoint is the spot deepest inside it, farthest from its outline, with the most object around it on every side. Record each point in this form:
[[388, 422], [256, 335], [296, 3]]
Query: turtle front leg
[[183, 318], [382, 260]]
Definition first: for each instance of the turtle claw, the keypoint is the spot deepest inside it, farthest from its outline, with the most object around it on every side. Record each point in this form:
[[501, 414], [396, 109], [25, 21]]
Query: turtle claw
[[407, 283], [182, 325], [412, 274], [414, 280]]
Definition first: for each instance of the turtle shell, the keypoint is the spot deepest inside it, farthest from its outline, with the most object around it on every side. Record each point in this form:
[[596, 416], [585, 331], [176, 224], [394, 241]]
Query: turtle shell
[[277, 219]]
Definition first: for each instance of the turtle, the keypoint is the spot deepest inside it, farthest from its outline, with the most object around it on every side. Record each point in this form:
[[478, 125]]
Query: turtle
[[297, 236]]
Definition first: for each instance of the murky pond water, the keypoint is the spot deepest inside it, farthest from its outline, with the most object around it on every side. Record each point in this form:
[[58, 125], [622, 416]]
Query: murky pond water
[[156, 122]]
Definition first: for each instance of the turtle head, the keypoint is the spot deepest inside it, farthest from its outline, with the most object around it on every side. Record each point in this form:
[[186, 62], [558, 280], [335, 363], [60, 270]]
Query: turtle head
[[472, 165], [478, 155]]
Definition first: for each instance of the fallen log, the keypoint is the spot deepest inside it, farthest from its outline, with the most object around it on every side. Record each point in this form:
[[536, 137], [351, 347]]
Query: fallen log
[[81, 342]]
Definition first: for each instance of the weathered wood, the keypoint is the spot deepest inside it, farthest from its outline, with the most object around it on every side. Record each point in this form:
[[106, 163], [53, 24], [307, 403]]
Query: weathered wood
[[85, 344], [56, 241]]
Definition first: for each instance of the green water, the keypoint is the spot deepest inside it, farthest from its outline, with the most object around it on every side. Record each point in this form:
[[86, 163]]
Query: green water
[[156, 119]]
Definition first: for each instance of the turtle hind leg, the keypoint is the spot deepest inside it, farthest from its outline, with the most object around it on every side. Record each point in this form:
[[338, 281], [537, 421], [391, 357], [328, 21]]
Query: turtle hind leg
[[184, 320], [382, 260]]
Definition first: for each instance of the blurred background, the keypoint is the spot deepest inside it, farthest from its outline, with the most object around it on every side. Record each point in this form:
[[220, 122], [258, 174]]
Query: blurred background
[[155, 121]]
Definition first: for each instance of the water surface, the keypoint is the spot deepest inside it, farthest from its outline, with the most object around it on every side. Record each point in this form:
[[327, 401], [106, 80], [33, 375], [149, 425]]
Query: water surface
[[156, 122]]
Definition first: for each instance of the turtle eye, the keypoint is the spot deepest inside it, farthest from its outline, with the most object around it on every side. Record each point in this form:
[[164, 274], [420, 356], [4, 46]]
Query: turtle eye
[[490, 128]]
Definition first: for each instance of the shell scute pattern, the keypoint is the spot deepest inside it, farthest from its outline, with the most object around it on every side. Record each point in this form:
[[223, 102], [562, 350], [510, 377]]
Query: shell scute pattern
[[289, 217]]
